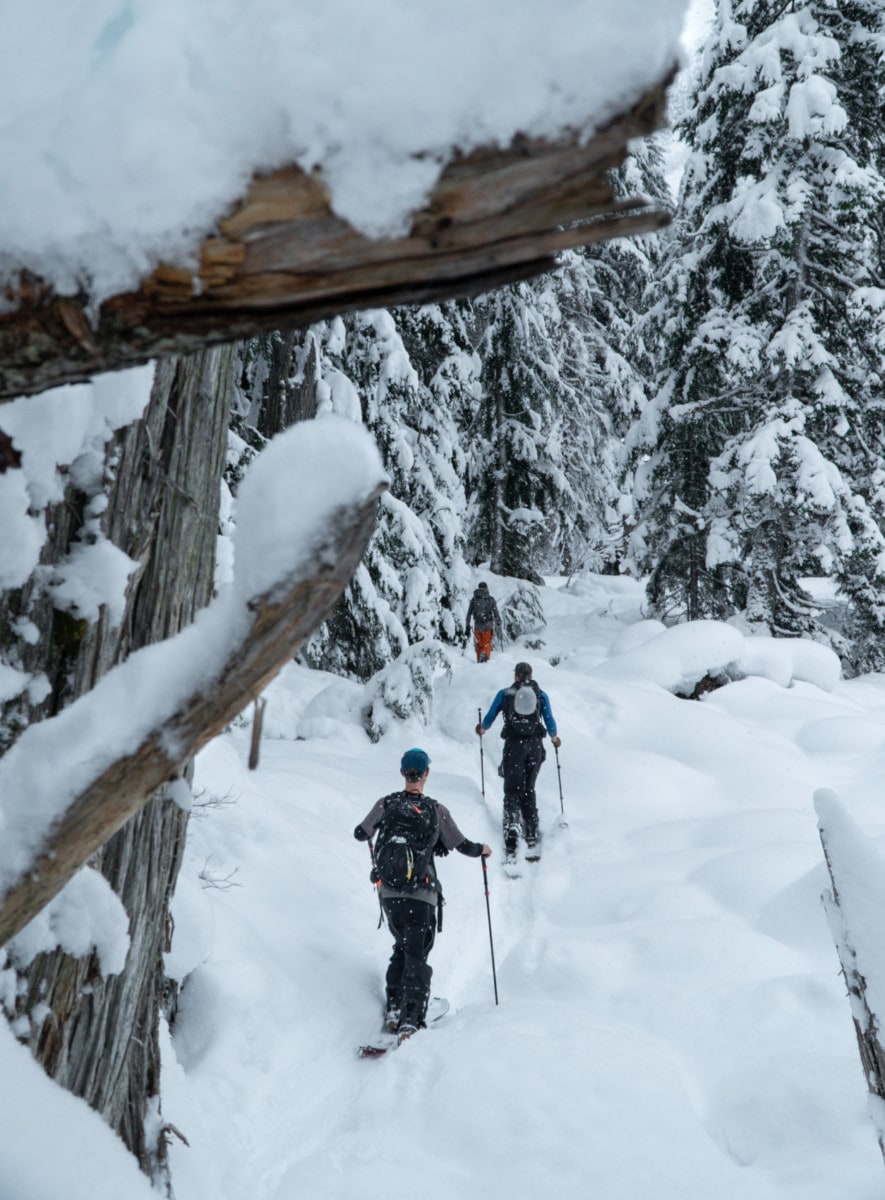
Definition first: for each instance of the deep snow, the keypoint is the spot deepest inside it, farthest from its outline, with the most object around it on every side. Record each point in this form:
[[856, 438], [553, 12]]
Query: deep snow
[[672, 1021]]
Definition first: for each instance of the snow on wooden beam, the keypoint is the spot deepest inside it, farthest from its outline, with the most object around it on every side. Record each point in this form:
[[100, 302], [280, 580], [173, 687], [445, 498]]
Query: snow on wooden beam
[[282, 619], [283, 258]]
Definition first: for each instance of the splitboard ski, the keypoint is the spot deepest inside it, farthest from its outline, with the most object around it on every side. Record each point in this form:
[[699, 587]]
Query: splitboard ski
[[385, 1042]]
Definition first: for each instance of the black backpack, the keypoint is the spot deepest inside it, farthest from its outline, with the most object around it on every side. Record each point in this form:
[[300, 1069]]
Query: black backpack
[[483, 607], [522, 709], [404, 841]]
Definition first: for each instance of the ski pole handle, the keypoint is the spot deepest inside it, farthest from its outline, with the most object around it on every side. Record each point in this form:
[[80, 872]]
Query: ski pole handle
[[485, 881]]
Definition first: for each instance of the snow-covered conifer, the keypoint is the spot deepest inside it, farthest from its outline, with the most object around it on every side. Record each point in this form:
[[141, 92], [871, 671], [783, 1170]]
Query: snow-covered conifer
[[606, 354], [412, 584], [517, 486], [763, 439]]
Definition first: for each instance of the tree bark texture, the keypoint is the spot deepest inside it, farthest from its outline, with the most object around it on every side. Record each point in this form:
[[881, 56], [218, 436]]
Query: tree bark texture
[[867, 1025], [100, 1039], [283, 259]]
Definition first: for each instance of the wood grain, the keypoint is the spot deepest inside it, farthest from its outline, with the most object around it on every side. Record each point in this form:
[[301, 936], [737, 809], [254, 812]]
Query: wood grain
[[282, 258]]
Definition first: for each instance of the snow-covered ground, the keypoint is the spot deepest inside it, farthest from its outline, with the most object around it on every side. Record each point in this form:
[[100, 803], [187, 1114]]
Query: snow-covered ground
[[672, 1020]]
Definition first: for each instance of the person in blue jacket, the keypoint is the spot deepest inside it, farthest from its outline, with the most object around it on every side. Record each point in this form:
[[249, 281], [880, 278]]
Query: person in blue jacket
[[528, 718]]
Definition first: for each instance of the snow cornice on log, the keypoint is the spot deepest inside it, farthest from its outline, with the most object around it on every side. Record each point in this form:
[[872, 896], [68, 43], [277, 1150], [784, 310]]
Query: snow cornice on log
[[258, 643], [282, 258]]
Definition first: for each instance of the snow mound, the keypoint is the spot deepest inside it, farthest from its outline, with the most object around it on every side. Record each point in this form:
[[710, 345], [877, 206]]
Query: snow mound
[[682, 655], [60, 1147]]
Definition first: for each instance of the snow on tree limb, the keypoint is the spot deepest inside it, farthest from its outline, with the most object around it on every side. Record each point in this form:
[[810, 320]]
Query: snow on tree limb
[[284, 258], [73, 780]]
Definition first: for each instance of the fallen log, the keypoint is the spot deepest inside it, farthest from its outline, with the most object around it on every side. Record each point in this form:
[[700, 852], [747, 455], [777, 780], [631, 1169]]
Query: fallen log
[[282, 258]]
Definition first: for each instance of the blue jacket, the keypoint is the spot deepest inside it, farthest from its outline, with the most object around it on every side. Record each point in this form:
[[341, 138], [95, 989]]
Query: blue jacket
[[544, 704]]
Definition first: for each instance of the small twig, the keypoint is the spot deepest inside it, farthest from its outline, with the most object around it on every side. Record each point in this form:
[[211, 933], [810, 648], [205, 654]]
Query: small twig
[[222, 883], [204, 799], [169, 1129]]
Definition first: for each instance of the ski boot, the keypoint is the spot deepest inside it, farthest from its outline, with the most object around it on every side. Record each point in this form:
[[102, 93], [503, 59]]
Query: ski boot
[[532, 845]]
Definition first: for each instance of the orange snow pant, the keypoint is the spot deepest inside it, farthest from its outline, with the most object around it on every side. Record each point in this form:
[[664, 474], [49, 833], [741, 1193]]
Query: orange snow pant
[[482, 640]]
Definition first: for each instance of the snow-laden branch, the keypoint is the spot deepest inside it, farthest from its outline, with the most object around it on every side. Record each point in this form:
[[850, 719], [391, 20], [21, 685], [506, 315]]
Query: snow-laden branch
[[305, 514]]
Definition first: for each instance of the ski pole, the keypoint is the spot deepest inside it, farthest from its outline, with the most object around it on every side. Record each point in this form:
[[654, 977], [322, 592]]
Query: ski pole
[[376, 884], [485, 881], [559, 777], [482, 769]]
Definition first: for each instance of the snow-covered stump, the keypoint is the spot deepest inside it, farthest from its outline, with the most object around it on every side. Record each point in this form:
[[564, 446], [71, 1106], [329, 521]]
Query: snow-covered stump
[[855, 906]]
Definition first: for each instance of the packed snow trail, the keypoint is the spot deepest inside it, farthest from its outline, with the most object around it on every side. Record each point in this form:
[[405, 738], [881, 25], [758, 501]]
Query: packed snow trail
[[672, 1022]]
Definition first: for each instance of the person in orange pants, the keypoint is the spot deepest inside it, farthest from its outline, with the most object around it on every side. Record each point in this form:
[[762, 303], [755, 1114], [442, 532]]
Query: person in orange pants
[[483, 612], [482, 644]]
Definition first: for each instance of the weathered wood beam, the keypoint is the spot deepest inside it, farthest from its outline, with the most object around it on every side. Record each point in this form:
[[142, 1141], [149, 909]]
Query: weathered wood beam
[[282, 258], [281, 624]]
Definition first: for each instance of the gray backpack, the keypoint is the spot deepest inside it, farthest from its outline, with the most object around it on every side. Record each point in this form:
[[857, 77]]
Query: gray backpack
[[525, 701], [522, 711]]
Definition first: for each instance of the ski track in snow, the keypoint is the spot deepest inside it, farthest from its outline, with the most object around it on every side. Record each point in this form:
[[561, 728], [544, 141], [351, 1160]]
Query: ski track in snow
[[672, 1022]]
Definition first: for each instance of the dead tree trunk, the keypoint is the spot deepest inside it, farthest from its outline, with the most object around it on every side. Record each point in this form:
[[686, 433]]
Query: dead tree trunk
[[837, 833], [100, 1037]]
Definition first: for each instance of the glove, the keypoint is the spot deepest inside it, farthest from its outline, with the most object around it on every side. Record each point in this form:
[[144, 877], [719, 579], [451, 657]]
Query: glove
[[360, 834], [467, 632], [557, 741], [479, 731], [440, 849]]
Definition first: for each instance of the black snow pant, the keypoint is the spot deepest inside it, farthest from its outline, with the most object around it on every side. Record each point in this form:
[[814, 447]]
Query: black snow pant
[[521, 762], [413, 925]]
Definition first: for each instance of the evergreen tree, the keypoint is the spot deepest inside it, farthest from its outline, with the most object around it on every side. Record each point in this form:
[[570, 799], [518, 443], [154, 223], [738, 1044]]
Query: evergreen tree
[[411, 586], [517, 486], [766, 427], [607, 360]]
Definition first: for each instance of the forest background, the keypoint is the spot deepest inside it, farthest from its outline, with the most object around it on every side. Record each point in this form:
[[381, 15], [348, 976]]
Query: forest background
[[700, 409]]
